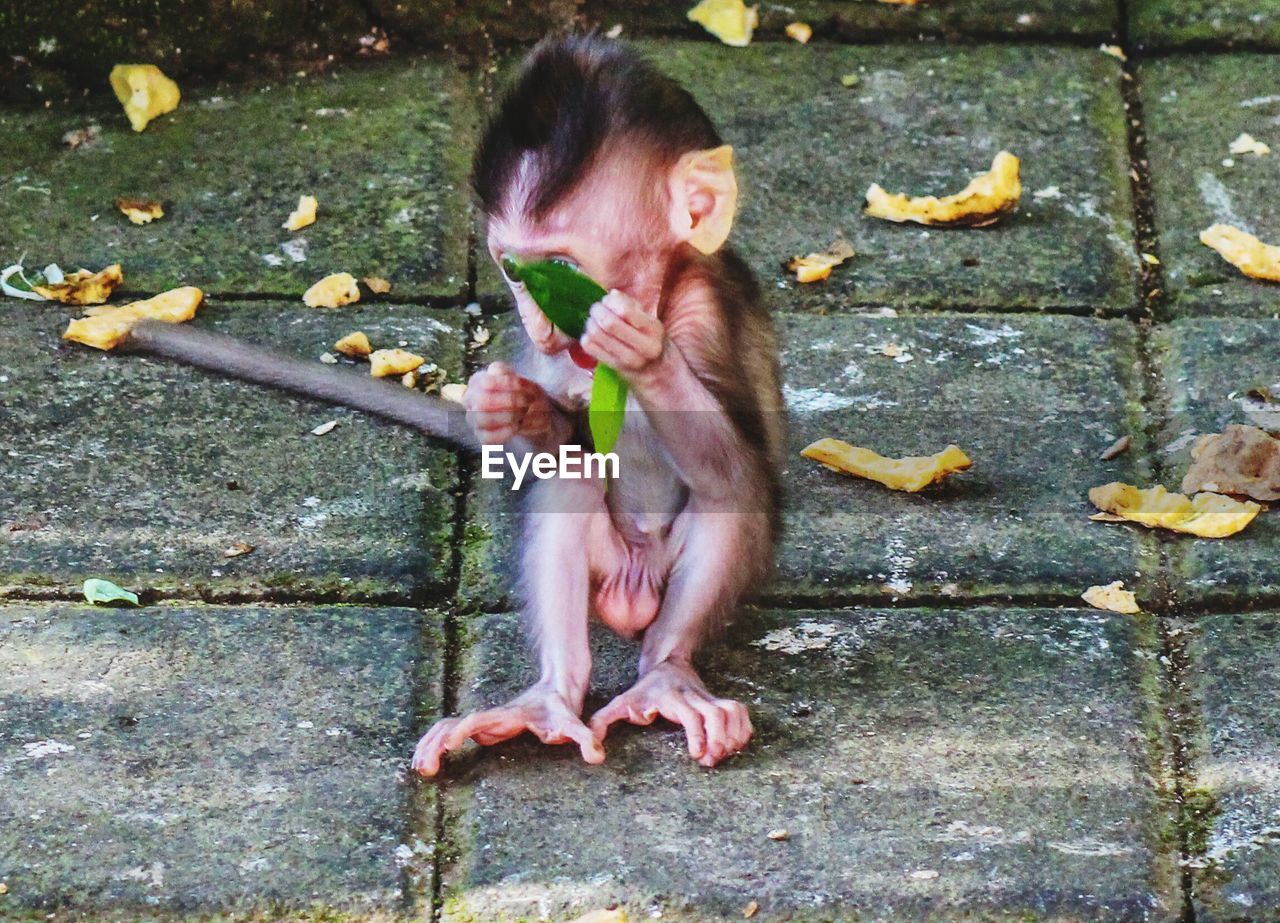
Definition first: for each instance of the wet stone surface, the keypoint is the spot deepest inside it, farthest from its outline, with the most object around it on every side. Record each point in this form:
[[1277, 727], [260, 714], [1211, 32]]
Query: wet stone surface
[[1195, 107], [1235, 660], [851, 21], [384, 148], [1033, 401], [1209, 367], [1219, 23], [130, 468], [181, 759], [924, 765], [807, 148]]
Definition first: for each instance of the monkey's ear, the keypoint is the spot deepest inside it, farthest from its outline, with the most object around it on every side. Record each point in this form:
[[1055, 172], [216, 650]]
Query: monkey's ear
[[704, 197]]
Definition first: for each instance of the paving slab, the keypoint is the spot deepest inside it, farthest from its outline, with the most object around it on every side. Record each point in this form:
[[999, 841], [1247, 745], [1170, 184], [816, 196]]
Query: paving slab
[[179, 761], [922, 119], [88, 37], [1195, 106], [1201, 23], [1234, 663], [1092, 19], [385, 148], [145, 472], [924, 764], [1208, 367], [1033, 401]]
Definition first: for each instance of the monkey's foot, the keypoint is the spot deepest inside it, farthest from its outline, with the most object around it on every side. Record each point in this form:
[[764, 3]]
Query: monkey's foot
[[540, 711], [716, 728]]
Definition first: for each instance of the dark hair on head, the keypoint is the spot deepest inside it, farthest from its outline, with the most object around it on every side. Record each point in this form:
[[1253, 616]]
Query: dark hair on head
[[572, 94]]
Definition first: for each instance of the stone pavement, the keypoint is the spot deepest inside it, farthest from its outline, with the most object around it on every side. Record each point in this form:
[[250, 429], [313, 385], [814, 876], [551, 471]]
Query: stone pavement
[[943, 731]]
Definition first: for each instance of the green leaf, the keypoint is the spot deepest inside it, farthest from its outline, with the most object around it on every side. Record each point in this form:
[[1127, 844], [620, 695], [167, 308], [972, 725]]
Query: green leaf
[[566, 296], [104, 591], [607, 411]]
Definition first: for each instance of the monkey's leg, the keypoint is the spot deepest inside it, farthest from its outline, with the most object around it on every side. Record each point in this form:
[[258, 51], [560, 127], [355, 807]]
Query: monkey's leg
[[556, 576], [718, 556]]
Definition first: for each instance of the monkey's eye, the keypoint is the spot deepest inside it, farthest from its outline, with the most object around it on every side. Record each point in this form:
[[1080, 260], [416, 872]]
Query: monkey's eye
[[564, 261], [510, 270]]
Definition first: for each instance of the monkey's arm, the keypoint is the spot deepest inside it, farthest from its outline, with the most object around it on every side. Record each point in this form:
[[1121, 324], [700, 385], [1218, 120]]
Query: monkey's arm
[[692, 422], [226, 355]]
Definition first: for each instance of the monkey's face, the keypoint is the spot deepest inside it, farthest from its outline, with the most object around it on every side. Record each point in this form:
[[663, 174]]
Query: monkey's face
[[611, 227], [621, 224]]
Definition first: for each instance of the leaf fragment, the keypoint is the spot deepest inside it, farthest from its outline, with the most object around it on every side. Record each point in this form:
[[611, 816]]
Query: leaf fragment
[[1113, 597], [910, 474], [377, 284], [817, 266], [1207, 515], [800, 32], [355, 345], [1243, 251], [1248, 144], [144, 91], [333, 291], [97, 590], [1242, 460], [238, 549], [106, 327], [988, 197], [140, 211], [385, 363], [303, 215], [731, 21], [84, 287]]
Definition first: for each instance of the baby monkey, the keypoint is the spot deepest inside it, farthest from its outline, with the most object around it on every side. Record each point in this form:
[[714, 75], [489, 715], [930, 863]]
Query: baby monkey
[[597, 159]]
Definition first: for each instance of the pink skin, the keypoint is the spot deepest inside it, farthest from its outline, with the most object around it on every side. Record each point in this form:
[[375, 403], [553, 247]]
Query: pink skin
[[569, 556]]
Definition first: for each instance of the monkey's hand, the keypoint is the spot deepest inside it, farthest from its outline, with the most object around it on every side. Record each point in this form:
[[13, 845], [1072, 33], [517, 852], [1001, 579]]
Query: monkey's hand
[[501, 406], [623, 335], [539, 710], [716, 728]]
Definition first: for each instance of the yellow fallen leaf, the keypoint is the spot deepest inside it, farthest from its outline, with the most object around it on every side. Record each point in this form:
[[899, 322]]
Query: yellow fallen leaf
[[1248, 144], [377, 285], [984, 201], [84, 287], [1113, 597], [144, 91], [356, 345], [1207, 515], [140, 211], [901, 2], [383, 363], [817, 266], [237, 550], [332, 291], [617, 915], [106, 327], [409, 379], [303, 215], [731, 21], [453, 392], [1114, 50], [910, 474], [800, 31], [1243, 251]]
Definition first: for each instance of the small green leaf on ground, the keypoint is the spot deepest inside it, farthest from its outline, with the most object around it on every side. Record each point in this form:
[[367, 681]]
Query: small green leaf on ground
[[104, 591]]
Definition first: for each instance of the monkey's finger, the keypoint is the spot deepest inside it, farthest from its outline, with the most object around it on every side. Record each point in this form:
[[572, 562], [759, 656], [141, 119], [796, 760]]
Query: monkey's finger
[[715, 724], [739, 722], [604, 347], [428, 753], [641, 341], [677, 710], [588, 743], [629, 311]]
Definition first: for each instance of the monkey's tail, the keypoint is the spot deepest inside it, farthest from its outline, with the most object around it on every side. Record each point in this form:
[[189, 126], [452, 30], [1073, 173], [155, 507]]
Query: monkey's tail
[[229, 356]]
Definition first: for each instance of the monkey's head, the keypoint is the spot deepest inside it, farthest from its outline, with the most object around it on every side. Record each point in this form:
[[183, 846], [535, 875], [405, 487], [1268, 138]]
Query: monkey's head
[[596, 158]]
